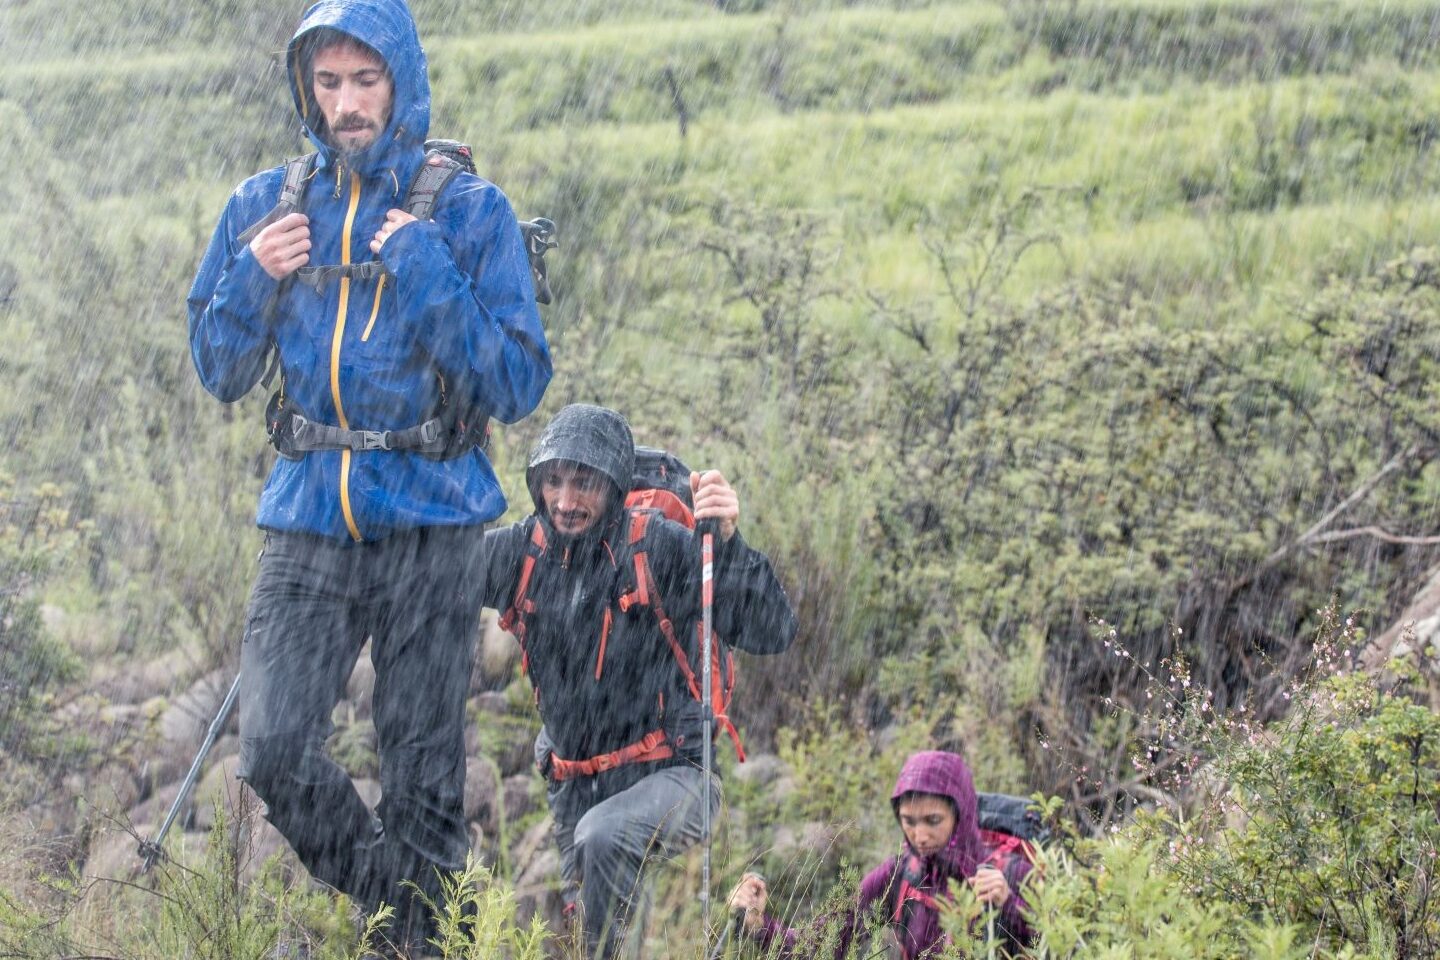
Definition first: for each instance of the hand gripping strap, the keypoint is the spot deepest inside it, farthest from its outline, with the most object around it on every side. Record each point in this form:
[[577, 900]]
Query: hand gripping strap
[[430, 180], [297, 178]]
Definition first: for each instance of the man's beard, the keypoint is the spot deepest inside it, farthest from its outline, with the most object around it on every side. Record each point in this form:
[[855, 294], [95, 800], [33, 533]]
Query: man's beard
[[349, 149]]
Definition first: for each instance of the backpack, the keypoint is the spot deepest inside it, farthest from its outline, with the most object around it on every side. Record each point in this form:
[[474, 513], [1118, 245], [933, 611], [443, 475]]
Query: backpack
[[453, 428], [1011, 831], [660, 487]]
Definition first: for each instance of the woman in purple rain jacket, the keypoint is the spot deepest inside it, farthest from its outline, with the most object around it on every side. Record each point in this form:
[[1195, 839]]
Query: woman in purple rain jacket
[[934, 803]]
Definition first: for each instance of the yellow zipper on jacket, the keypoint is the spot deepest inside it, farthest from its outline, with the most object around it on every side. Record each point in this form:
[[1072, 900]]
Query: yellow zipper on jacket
[[374, 311], [335, 342]]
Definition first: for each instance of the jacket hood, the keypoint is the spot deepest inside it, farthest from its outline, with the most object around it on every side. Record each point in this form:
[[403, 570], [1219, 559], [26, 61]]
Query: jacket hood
[[596, 437], [388, 27], [946, 775]]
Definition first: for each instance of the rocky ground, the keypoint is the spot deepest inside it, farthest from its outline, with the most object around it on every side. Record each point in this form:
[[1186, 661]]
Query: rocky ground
[[139, 725]]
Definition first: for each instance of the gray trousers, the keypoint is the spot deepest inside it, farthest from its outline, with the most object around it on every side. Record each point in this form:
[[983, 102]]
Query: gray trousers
[[603, 854], [416, 597]]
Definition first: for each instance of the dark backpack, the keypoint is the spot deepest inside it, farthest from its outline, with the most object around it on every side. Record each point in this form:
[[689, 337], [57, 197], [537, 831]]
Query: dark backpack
[[1011, 831], [454, 428], [660, 488]]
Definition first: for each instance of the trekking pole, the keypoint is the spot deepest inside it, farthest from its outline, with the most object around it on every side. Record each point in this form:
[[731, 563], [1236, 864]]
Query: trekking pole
[[707, 603], [150, 850], [732, 929]]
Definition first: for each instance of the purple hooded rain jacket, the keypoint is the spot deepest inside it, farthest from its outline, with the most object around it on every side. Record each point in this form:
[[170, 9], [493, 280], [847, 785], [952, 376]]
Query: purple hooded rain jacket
[[918, 924]]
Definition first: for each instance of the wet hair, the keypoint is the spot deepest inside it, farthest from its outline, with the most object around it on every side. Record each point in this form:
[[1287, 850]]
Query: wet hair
[[323, 38], [909, 795]]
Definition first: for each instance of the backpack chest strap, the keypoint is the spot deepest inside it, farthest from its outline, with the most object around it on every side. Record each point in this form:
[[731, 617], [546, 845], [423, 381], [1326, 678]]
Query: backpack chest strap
[[316, 277]]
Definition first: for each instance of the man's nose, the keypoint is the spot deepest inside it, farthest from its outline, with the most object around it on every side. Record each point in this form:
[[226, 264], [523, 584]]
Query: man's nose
[[565, 500], [344, 99]]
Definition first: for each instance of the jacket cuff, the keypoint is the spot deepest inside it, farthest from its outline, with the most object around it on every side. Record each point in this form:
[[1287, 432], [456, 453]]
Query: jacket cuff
[[247, 280], [410, 245]]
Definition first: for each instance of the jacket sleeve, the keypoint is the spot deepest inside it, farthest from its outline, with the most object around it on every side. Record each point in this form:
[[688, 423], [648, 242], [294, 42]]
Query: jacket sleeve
[[230, 304], [504, 556], [785, 942], [752, 611], [474, 301]]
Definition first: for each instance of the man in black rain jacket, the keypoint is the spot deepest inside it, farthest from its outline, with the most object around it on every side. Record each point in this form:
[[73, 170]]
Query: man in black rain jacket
[[623, 731]]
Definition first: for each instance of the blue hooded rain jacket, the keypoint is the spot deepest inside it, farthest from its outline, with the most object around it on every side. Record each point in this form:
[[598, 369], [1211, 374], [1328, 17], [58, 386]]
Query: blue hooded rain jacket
[[459, 304]]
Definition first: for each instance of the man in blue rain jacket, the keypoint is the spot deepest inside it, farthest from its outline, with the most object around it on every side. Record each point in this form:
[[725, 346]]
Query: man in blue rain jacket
[[362, 541]]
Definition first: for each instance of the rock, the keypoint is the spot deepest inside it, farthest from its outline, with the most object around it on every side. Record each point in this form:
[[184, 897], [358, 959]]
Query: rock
[[812, 843], [536, 840], [1414, 636], [482, 783], [262, 842], [113, 854], [516, 752], [361, 688], [369, 791], [493, 702], [189, 715], [499, 653], [114, 789], [145, 818], [538, 889], [761, 770], [138, 682], [218, 786], [519, 796]]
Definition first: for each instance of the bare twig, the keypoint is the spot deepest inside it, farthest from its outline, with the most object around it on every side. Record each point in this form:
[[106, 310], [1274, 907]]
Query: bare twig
[[1378, 534], [1313, 534]]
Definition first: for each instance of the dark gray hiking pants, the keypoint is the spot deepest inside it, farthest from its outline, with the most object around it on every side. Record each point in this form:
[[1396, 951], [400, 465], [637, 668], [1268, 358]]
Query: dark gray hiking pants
[[604, 853], [416, 596]]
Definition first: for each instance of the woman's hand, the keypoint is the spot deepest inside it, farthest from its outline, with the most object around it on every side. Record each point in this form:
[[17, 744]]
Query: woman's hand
[[990, 886], [750, 895]]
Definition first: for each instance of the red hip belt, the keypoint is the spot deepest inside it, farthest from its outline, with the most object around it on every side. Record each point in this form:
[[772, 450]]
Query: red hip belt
[[650, 747]]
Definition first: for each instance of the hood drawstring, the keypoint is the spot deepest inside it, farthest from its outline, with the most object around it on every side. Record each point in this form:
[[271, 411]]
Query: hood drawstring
[[395, 180]]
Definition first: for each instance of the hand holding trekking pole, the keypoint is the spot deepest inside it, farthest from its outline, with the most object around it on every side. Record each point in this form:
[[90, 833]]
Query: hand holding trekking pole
[[284, 246], [989, 885], [750, 896], [715, 500]]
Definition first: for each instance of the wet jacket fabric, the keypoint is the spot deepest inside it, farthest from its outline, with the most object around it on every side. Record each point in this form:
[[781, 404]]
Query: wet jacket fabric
[[458, 306], [593, 704], [918, 931]]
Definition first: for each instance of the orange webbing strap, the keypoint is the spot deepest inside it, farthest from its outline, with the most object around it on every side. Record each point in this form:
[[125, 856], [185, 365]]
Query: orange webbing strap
[[648, 748], [513, 619], [647, 593]]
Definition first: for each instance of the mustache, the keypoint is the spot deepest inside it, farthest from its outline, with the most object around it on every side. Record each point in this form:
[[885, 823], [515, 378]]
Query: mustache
[[351, 122]]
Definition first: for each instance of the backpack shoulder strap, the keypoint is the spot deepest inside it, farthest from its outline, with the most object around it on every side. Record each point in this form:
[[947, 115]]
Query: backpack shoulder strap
[[430, 180], [292, 192], [647, 593], [516, 619]]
